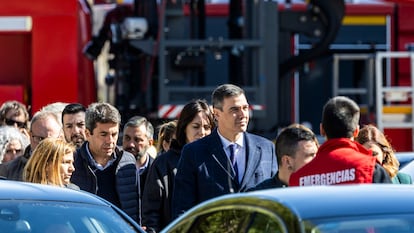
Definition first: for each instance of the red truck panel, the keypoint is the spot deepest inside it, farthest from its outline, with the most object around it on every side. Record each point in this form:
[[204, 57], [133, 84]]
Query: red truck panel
[[47, 60]]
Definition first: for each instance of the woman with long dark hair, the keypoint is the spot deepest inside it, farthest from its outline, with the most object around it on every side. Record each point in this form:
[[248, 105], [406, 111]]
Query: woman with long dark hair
[[195, 121]]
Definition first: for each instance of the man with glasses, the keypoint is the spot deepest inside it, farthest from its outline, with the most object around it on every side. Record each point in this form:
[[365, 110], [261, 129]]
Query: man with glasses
[[44, 124]]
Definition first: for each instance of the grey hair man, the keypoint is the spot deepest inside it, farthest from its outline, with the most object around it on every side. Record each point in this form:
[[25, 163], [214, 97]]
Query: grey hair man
[[138, 138]]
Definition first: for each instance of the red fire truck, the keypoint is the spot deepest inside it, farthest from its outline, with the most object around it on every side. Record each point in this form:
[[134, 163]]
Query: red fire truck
[[41, 56], [289, 57]]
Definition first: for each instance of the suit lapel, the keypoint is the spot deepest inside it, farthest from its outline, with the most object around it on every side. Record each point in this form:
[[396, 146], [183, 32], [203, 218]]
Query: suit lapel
[[217, 151], [253, 157]]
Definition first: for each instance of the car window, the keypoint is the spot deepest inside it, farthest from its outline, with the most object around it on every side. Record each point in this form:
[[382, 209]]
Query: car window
[[232, 221], [363, 224], [63, 217]]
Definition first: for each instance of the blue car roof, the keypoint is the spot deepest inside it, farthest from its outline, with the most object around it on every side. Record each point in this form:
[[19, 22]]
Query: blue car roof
[[342, 200], [15, 190]]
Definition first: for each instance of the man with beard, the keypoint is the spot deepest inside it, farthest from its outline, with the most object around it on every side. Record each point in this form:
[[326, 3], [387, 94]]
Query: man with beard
[[73, 120], [138, 139]]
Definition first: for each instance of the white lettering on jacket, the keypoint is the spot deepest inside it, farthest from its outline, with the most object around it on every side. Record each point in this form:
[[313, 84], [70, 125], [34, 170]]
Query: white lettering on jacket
[[329, 178]]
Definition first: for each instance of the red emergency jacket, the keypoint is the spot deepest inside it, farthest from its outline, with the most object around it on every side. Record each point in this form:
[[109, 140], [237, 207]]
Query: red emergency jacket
[[338, 161]]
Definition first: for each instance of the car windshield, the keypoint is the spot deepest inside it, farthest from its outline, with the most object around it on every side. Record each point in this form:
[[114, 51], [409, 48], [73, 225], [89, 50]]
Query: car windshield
[[42, 216], [363, 224]]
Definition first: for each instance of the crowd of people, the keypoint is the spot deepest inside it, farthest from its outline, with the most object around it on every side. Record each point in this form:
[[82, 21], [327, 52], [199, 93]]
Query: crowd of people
[[205, 153]]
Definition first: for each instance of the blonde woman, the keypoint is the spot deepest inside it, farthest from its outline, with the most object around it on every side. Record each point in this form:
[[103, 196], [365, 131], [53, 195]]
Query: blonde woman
[[51, 163]]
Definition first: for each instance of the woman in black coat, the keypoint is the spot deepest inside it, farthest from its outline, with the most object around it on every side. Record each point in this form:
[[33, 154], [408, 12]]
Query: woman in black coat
[[195, 122]]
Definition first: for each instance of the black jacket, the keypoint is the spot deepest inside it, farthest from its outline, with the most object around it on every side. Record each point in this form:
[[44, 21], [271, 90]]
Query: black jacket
[[144, 174], [126, 179], [270, 183], [156, 200], [380, 175]]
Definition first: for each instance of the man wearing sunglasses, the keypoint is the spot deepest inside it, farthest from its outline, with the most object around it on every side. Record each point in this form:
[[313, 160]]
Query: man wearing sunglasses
[[13, 113]]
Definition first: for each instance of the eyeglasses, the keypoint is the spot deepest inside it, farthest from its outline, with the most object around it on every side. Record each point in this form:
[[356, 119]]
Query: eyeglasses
[[11, 122], [37, 139]]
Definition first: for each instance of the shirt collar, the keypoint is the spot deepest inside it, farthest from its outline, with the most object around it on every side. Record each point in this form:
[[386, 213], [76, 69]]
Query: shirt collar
[[143, 167], [93, 163], [239, 142]]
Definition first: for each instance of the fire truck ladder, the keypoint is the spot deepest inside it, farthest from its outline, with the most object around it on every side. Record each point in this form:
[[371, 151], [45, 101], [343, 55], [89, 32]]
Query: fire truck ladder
[[367, 88], [394, 104]]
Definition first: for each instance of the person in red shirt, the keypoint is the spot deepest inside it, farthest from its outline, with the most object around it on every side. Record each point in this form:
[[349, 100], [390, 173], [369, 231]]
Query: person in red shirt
[[296, 145], [340, 160]]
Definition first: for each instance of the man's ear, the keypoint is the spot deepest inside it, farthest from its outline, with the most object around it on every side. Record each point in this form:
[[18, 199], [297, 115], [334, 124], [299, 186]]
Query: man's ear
[[151, 142], [285, 160], [87, 133], [322, 130], [216, 113], [356, 132]]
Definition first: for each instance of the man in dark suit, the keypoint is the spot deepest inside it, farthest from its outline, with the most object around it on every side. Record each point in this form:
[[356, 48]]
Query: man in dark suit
[[228, 160]]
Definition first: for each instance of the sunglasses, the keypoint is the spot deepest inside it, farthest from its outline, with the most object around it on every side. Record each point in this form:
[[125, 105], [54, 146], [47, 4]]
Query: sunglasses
[[11, 122]]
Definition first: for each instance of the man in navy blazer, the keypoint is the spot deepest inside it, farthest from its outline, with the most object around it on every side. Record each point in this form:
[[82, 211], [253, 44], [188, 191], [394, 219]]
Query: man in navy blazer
[[207, 169]]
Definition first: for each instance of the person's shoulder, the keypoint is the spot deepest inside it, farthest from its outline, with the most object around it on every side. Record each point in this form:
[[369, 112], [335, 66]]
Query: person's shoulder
[[14, 162], [199, 147], [404, 178], [266, 184], [207, 139], [150, 160], [202, 142], [81, 151], [380, 175], [254, 139], [126, 157], [3, 170], [258, 138], [163, 157], [72, 186], [13, 169]]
